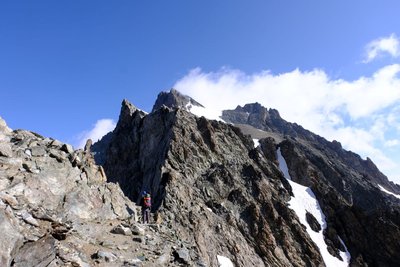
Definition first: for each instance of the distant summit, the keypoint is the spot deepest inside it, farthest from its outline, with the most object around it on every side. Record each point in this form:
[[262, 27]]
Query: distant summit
[[251, 118], [174, 99]]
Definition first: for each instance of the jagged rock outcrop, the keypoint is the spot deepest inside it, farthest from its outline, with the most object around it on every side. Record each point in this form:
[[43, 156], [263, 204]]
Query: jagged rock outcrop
[[209, 184]]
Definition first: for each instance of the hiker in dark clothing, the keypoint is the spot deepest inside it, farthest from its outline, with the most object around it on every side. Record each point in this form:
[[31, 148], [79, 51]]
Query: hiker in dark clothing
[[146, 207]]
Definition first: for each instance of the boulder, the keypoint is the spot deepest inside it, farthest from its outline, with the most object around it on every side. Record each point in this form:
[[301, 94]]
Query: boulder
[[11, 238], [27, 217], [137, 230], [5, 150], [182, 255], [38, 151], [313, 222], [121, 230], [67, 148], [36, 254], [104, 255]]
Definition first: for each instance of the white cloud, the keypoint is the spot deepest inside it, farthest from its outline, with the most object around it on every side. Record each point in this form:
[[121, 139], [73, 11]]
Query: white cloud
[[379, 47], [356, 113], [392, 143], [101, 128]]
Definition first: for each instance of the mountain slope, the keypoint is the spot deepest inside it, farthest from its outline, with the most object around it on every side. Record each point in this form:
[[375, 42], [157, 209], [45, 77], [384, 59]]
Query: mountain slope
[[269, 121], [211, 186], [346, 186]]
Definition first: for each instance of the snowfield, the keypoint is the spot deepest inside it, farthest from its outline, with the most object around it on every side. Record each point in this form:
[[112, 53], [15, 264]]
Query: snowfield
[[304, 200]]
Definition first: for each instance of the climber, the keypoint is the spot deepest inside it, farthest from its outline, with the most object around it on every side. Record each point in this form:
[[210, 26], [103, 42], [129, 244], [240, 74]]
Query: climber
[[146, 207]]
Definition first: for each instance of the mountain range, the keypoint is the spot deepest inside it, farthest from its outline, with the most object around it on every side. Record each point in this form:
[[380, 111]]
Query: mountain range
[[247, 189]]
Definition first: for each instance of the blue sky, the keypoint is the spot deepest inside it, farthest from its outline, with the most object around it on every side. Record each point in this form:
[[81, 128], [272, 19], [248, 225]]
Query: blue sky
[[67, 65]]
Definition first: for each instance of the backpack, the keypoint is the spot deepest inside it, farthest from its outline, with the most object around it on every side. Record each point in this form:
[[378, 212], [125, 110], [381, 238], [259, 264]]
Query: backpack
[[147, 201]]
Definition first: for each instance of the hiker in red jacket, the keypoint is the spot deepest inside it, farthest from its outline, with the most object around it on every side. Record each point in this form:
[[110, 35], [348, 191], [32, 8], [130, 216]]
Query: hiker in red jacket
[[146, 207]]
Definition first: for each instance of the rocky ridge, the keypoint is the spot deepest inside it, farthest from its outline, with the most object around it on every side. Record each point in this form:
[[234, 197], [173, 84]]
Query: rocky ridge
[[197, 169], [211, 186], [216, 195], [194, 167]]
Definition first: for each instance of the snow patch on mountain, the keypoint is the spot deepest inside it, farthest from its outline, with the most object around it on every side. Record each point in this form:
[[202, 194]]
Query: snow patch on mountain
[[304, 200], [282, 165], [388, 192], [256, 142], [224, 261]]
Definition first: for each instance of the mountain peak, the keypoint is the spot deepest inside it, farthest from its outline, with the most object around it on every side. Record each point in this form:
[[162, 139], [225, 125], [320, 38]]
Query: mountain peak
[[254, 114], [174, 99], [252, 107], [126, 114], [127, 107]]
